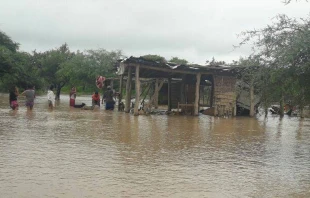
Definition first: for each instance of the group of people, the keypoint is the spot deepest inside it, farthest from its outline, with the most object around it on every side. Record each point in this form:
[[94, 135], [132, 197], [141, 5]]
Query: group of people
[[107, 97], [29, 94]]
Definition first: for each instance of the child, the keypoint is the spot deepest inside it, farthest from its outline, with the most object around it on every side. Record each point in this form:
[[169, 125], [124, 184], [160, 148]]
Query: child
[[51, 97], [13, 98], [96, 99]]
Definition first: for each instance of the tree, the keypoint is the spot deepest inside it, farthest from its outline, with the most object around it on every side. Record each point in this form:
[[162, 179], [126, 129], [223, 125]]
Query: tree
[[214, 62], [7, 42], [76, 70], [7, 49], [83, 68], [256, 79], [155, 58], [102, 62], [50, 62], [178, 61], [6, 61], [59, 67], [15, 67], [284, 47]]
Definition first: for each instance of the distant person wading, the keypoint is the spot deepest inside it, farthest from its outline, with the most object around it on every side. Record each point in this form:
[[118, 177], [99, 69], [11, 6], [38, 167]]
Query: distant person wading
[[30, 95], [13, 98], [51, 98], [72, 96], [108, 98]]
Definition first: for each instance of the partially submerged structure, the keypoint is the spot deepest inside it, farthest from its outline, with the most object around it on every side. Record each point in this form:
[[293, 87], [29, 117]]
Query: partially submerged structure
[[190, 86]]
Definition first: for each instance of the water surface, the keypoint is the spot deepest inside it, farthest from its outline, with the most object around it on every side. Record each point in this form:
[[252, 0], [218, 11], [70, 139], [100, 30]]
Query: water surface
[[81, 153]]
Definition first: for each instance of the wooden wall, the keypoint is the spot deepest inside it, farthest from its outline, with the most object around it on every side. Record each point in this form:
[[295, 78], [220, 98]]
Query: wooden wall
[[224, 96]]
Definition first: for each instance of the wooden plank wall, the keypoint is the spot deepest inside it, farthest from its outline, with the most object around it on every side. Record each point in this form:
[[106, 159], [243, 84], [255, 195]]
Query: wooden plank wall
[[224, 95]]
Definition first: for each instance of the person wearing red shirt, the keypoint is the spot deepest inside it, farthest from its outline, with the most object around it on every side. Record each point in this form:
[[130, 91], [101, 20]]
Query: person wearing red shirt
[[96, 99]]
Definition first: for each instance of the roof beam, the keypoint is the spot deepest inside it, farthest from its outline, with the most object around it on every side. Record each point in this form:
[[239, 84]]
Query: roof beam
[[166, 69]]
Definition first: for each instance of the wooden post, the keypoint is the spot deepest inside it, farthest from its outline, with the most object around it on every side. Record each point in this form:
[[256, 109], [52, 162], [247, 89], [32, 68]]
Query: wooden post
[[128, 91], [120, 91], [137, 100], [169, 94], [213, 102], [156, 91], [196, 105], [212, 91], [203, 95], [154, 98], [182, 90]]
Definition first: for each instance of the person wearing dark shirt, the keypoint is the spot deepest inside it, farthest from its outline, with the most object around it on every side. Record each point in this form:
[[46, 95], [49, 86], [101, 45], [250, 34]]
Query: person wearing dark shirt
[[13, 98], [108, 97]]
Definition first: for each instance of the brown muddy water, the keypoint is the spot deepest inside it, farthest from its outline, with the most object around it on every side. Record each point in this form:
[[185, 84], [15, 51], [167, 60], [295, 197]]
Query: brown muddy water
[[82, 153]]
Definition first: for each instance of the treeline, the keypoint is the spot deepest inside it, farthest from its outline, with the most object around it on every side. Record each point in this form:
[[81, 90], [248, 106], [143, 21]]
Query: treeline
[[277, 71], [59, 67]]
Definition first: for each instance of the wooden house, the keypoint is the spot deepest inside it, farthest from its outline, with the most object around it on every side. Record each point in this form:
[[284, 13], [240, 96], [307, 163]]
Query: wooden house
[[188, 87]]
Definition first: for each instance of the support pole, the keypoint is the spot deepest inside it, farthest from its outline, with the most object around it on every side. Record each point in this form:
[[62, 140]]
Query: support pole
[[212, 91], [137, 100], [156, 93], [169, 94], [120, 91], [182, 90], [128, 91], [196, 105]]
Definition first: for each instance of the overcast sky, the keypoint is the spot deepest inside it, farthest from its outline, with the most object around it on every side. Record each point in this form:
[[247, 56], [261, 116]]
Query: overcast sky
[[195, 30]]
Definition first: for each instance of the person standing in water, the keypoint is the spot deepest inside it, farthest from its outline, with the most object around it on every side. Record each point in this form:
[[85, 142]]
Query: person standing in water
[[108, 97], [51, 98], [72, 96], [13, 98], [96, 99], [30, 95]]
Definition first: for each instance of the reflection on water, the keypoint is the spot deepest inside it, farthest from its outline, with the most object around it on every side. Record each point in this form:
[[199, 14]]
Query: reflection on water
[[81, 153]]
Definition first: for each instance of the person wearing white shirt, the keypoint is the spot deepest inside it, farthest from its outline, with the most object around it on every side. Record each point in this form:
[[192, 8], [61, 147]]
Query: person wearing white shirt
[[51, 97]]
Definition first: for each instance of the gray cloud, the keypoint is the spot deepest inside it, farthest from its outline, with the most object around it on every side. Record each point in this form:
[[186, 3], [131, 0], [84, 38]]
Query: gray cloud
[[196, 30]]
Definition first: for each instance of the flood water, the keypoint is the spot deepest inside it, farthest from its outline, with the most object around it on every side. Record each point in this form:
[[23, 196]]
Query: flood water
[[83, 153]]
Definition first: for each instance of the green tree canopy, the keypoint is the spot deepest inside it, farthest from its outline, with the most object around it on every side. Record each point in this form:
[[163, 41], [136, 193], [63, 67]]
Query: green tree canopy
[[50, 62], [83, 68], [214, 62], [7, 42], [156, 58], [284, 48], [178, 61]]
